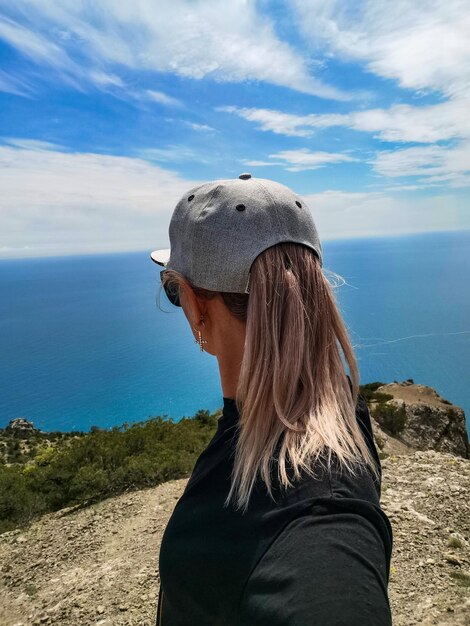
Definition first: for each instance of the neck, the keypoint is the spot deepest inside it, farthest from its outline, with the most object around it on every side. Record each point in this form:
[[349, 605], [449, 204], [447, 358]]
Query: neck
[[230, 360]]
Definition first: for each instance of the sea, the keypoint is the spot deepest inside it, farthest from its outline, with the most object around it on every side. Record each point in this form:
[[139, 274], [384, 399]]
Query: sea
[[85, 341]]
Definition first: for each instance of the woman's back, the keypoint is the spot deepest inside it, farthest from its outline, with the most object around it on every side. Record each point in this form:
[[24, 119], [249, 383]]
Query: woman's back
[[319, 554]]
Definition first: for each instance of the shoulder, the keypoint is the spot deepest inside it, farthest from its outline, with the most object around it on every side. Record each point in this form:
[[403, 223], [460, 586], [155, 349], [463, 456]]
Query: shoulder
[[365, 423], [329, 566], [361, 483], [362, 413]]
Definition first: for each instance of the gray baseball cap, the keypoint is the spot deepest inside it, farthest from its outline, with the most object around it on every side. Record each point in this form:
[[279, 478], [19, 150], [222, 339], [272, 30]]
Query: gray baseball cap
[[219, 228]]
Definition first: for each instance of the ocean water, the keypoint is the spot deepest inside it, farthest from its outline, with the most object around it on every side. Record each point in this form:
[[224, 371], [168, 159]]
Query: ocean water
[[82, 341]]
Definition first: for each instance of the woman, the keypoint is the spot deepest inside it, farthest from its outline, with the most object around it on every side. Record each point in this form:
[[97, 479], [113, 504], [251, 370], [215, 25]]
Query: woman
[[280, 522]]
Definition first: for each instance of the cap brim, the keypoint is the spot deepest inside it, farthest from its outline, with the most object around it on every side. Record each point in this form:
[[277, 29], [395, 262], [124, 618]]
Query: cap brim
[[161, 256]]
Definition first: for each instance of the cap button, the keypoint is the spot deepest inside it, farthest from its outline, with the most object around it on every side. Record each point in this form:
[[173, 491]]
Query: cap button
[[245, 176]]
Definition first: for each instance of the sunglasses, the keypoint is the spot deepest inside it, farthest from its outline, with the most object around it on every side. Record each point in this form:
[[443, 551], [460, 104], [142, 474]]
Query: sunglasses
[[171, 292]]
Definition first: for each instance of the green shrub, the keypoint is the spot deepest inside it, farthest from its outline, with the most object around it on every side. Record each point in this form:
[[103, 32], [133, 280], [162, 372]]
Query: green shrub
[[382, 397], [206, 419], [455, 542], [31, 590], [391, 418], [370, 392], [18, 503]]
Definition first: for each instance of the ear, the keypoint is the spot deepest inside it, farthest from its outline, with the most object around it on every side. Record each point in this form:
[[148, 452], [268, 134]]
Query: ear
[[191, 304]]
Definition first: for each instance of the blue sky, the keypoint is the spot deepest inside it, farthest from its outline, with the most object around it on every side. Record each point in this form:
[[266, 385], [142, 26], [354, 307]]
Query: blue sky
[[111, 111]]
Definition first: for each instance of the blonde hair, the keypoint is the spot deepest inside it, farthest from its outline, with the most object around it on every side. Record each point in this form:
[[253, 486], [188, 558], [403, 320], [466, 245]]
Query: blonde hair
[[292, 389]]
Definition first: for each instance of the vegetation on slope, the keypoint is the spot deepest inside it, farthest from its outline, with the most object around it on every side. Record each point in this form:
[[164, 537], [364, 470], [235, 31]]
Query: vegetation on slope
[[86, 467], [47, 471]]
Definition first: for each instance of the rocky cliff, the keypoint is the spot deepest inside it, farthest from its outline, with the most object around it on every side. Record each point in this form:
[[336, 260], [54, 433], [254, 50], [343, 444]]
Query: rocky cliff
[[432, 422]]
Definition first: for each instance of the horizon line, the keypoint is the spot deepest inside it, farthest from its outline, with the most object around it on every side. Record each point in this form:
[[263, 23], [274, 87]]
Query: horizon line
[[155, 246]]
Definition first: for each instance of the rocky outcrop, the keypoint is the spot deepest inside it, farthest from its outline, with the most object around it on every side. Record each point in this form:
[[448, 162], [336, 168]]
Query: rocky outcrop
[[21, 427], [433, 423]]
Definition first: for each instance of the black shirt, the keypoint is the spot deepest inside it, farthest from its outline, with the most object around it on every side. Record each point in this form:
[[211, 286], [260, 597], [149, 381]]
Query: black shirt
[[319, 555]]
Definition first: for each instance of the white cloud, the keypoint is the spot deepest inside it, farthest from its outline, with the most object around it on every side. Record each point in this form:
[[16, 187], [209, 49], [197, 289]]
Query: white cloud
[[421, 49], [276, 121], [33, 45], [399, 123], [343, 215], [398, 188], [200, 127], [422, 46], [58, 203], [163, 98], [237, 43], [41, 51], [171, 153], [260, 163], [14, 85], [31, 144], [303, 159], [420, 124], [105, 79], [444, 164]]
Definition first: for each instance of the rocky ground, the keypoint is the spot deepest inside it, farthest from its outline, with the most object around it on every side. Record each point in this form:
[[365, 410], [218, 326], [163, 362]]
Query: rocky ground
[[99, 565], [426, 496]]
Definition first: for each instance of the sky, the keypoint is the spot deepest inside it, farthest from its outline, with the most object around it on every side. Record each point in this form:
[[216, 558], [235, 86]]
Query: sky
[[110, 111]]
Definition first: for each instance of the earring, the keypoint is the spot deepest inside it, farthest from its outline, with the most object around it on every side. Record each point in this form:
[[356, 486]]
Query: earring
[[200, 340]]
